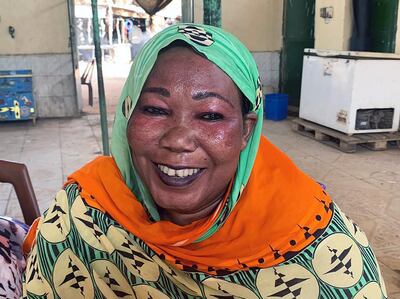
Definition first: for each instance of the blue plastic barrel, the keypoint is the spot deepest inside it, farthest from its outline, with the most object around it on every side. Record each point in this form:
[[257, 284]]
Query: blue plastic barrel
[[276, 106]]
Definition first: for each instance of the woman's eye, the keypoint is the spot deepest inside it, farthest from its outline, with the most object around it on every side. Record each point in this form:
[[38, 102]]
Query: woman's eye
[[212, 116], [154, 110]]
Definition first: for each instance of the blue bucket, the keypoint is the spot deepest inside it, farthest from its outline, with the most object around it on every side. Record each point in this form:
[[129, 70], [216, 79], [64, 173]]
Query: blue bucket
[[276, 106]]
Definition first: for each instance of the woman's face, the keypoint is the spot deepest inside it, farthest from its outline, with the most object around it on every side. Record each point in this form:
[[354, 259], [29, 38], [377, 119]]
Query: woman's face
[[186, 133]]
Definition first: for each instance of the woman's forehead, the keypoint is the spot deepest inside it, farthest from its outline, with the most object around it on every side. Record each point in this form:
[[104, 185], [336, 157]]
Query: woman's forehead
[[182, 55], [182, 64], [181, 71]]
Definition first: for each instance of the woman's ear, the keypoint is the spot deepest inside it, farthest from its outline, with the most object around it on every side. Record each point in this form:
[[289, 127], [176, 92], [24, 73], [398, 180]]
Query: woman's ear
[[249, 122]]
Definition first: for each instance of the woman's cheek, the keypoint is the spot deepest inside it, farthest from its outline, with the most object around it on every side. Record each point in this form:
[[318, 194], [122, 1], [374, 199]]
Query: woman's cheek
[[144, 129], [224, 137]]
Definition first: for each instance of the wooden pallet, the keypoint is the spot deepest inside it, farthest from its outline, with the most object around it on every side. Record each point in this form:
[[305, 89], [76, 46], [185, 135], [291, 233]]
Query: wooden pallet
[[344, 142]]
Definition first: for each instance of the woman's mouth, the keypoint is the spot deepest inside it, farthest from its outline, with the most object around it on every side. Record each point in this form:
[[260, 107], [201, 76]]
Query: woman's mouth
[[178, 176]]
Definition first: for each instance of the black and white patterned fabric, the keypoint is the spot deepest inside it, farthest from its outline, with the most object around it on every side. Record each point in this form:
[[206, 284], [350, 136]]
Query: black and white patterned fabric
[[197, 35], [259, 95], [127, 107]]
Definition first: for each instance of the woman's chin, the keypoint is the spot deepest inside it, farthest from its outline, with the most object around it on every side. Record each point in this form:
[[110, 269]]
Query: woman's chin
[[177, 211]]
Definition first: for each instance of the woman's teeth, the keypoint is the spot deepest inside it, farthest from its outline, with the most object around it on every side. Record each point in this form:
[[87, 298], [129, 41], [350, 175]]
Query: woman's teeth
[[182, 173]]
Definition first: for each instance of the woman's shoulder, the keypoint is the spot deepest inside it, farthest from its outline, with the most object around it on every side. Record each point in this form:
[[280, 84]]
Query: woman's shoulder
[[95, 176], [97, 163]]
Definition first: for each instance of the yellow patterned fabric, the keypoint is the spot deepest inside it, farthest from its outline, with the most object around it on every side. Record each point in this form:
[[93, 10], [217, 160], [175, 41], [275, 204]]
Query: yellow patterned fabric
[[80, 252]]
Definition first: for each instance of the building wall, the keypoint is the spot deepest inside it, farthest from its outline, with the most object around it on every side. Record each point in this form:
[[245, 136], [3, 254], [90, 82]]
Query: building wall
[[41, 44], [41, 26], [335, 33], [53, 82], [258, 24]]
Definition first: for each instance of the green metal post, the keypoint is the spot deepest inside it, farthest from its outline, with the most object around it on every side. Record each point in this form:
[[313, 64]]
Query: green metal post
[[212, 12], [100, 82]]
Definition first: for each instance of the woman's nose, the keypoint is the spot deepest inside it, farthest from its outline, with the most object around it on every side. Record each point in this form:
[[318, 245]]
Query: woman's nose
[[179, 139]]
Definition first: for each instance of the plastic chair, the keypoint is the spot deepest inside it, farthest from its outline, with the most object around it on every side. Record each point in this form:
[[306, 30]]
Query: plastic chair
[[17, 175]]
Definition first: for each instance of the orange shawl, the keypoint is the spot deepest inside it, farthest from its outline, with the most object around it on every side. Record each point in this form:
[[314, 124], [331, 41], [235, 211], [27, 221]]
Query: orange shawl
[[280, 212]]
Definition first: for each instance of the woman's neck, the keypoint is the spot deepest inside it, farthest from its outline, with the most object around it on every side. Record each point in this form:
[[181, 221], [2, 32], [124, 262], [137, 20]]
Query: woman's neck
[[183, 219]]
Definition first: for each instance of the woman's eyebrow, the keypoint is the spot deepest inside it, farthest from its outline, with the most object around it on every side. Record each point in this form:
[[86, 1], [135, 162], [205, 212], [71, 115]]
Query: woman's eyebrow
[[159, 90], [201, 95]]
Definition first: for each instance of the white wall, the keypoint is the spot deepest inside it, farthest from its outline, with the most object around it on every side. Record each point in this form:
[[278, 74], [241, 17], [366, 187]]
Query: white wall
[[41, 26], [335, 33]]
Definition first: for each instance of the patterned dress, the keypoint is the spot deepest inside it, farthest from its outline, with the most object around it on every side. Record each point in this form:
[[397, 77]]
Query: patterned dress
[[12, 261], [81, 252]]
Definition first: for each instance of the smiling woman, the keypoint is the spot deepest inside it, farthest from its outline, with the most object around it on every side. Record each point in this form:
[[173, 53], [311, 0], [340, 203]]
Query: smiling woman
[[192, 133], [194, 202]]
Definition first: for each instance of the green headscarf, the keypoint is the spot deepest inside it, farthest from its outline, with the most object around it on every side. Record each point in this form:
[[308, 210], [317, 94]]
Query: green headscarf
[[230, 55]]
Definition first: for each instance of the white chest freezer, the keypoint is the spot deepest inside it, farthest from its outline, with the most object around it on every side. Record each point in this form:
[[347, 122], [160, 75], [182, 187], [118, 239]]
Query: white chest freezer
[[352, 92]]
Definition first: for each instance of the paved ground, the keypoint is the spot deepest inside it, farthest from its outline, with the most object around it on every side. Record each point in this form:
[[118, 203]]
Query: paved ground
[[366, 185]]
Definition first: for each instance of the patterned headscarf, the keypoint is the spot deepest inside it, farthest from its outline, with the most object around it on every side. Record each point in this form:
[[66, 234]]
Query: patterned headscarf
[[231, 56]]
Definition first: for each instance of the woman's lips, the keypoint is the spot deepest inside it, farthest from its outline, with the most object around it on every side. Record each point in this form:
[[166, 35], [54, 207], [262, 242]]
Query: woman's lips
[[177, 176]]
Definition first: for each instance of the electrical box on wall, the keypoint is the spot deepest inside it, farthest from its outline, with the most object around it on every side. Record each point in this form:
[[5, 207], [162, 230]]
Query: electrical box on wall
[[326, 13], [352, 92]]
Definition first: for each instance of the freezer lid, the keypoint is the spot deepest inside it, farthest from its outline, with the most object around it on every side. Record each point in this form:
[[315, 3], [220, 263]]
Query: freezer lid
[[351, 54]]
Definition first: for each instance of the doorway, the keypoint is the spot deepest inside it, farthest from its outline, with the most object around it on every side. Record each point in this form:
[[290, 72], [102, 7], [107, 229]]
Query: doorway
[[298, 34]]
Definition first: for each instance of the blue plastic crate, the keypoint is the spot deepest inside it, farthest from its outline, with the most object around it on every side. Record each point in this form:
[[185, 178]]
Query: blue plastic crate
[[16, 98], [276, 106]]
